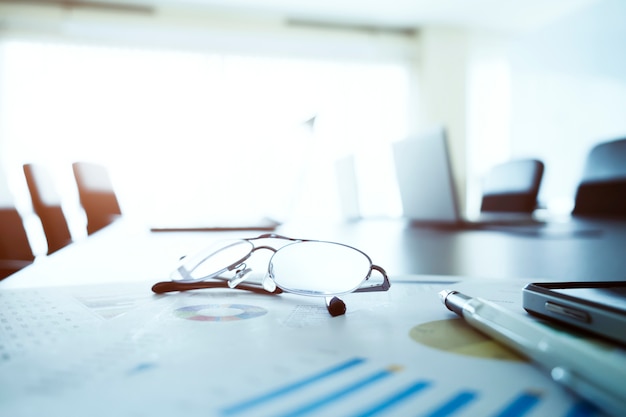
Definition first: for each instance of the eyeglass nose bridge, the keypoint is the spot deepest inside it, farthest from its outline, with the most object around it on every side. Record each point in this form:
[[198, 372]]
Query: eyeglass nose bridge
[[240, 275], [243, 270], [254, 249]]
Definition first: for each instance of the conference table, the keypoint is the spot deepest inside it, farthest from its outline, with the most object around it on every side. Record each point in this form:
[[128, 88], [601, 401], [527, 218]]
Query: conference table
[[82, 333], [570, 249]]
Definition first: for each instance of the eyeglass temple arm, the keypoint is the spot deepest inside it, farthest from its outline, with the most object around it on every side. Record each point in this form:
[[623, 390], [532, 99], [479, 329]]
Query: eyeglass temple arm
[[384, 286], [171, 286]]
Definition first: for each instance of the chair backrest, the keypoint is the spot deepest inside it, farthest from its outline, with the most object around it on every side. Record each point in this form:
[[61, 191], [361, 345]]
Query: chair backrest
[[15, 249], [512, 186], [602, 189], [47, 205], [96, 195]]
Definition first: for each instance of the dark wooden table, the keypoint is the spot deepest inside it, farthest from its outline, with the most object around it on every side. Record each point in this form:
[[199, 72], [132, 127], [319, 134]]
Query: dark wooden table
[[577, 250]]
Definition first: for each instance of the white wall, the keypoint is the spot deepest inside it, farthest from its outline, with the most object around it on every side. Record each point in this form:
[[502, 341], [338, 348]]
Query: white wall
[[550, 93], [464, 84], [442, 86], [569, 92]]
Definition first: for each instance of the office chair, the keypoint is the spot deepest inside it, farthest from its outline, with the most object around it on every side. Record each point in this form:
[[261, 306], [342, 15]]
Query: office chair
[[512, 186], [15, 250], [602, 189], [47, 205], [96, 195]]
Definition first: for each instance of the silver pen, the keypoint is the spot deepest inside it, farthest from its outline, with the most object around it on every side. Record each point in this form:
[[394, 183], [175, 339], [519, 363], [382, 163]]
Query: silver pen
[[588, 370]]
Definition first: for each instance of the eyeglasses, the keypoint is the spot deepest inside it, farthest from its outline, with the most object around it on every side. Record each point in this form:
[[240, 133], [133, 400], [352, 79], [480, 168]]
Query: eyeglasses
[[305, 267]]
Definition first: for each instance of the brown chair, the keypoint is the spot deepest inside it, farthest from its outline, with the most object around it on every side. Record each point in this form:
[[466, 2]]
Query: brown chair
[[96, 195], [15, 250], [512, 186], [47, 205], [602, 189]]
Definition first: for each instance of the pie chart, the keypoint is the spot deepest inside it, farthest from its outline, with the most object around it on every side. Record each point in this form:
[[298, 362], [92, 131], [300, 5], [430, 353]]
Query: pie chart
[[219, 312]]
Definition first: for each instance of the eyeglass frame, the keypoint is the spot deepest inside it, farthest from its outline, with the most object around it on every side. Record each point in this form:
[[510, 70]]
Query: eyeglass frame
[[334, 305]]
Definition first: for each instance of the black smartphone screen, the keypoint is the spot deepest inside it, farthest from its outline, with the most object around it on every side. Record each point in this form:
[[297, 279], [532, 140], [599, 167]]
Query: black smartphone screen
[[614, 297]]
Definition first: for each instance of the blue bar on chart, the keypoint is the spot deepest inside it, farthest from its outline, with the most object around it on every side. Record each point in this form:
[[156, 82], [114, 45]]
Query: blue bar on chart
[[341, 393], [269, 396], [583, 409], [455, 404], [397, 398], [520, 405]]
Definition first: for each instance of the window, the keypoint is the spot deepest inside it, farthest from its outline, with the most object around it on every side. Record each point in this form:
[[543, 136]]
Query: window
[[199, 133]]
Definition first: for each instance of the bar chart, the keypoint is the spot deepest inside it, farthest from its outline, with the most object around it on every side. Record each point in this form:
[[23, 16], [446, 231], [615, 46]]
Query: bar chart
[[387, 391]]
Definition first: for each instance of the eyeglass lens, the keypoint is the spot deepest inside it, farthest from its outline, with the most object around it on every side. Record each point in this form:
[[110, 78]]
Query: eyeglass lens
[[319, 268], [213, 261]]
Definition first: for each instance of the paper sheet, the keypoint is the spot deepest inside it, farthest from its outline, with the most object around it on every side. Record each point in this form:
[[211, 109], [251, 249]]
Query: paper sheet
[[119, 350]]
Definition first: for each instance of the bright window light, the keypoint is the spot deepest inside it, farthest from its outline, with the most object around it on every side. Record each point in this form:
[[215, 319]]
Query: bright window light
[[198, 134]]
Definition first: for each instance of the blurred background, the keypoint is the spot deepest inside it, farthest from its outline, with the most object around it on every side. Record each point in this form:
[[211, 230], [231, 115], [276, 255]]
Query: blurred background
[[240, 108]]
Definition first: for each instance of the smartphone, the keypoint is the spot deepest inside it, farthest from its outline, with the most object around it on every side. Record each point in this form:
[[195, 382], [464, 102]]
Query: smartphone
[[597, 307]]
